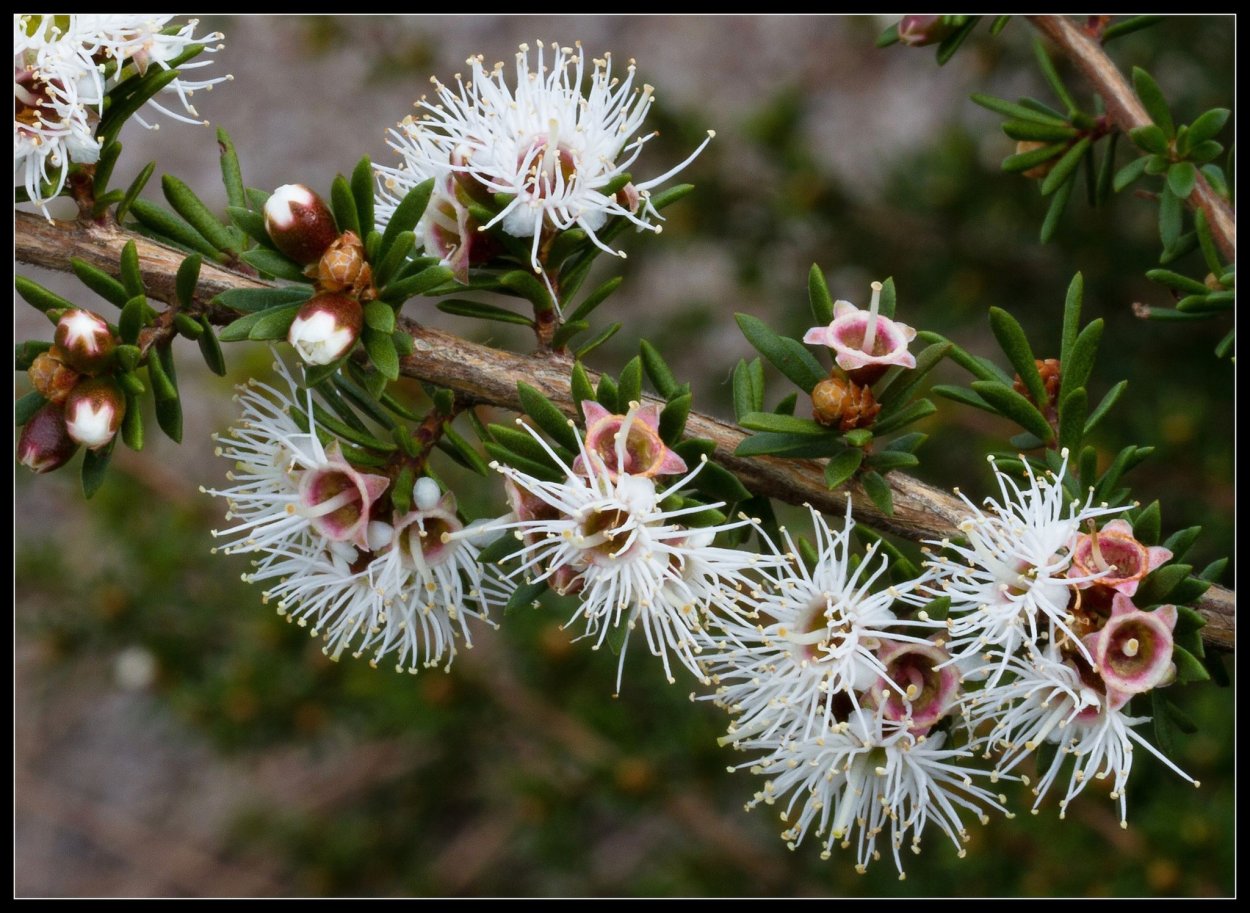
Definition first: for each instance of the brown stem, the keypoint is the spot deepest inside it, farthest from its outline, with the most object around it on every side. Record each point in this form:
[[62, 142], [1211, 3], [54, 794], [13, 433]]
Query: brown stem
[[480, 374], [1127, 112]]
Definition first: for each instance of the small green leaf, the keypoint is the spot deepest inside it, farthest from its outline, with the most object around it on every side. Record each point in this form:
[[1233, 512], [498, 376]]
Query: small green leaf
[[859, 437], [1058, 202], [274, 264], [950, 44], [1149, 138], [1215, 570], [878, 490], [594, 299], [782, 424], [900, 418], [482, 311], [1188, 667], [94, 465], [1040, 132], [362, 194], [1009, 403], [907, 443], [580, 387], [1018, 112], [899, 390], [134, 317], [937, 610], [1209, 252], [818, 296], [1160, 583], [1153, 101], [169, 418], [524, 283], [132, 424], [719, 483], [252, 225], [787, 405], [658, 371], [131, 276], [100, 282], [885, 460], [1147, 524], [842, 466], [469, 457], [499, 551], [104, 168], [1052, 76], [605, 393], [386, 268], [1072, 412], [597, 341], [192, 208], [525, 596], [564, 335], [547, 417], [1106, 171], [745, 400], [1128, 26], [343, 205], [544, 470], [1075, 370], [1164, 728], [1129, 173], [1180, 542], [787, 355], [1176, 281], [1071, 317], [381, 350], [629, 383], [39, 297], [1181, 179], [1063, 169], [25, 408], [1207, 126], [250, 300], [791, 445], [673, 418], [1010, 336], [406, 215], [187, 279], [1023, 161], [1101, 410], [401, 290], [380, 316]]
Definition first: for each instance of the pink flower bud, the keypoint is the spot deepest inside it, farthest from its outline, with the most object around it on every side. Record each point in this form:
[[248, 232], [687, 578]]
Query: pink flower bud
[[84, 340], [914, 687], [45, 443], [337, 498], [1114, 549], [326, 328], [627, 443], [93, 412], [916, 31], [299, 223], [1133, 651], [865, 343]]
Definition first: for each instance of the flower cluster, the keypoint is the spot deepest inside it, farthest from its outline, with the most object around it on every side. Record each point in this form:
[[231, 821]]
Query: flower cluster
[[63, 69], [341, 557], [559, 143], [1043, 613]]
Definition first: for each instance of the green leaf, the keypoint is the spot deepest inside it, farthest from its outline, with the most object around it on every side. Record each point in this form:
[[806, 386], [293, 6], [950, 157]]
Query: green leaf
[[539, 470], [94, 465], [1058, 202], [381, 350], [1177, 281], [782, 424], [343, 205], [1103, 407], [547, 417], [1215, 570], [362, 194], [1010, 336], [1181, 179], [386, 268], [167, 225], [564, 335], [1018, 112], [100, 282], [274, 264], [525, 596], [885, 460], [962, 395], [481, 311], [605, 393], [1009, 403], [658, 371], [597, 341], [719, 483], [469, 457], [1188, 667], [1188, 620], [132, 425], [950, 44], [899, 390], [937, 610], [249, 300], [900, 418], [842, 466], [131, 276], [25, 353], [169, 418], [1180, 542], [1209, 252], [274, 323], [1072, 412], [858, 437], [126, 104], [1153, 101], [1075, 370], [673, 418], [39, 297], [104, 168], [999, 23], [1040, 132], [252, 224], [1071, 317], [878, 491], [1023, 161], [1147, 524], [133, 318], [524, 283], [1160, 583], [629, 383], [580, 387], [231, 173], [499, 551], [1052, 76], [1207, 126], [787, 355], [1106, 171], [787, 405], [1149, 138], [792, 445], [380, 316], [1128, 26], [192, 208], [1129, 173], [818, 296], [401, 290], [594, 299], [25, 408], [1065, 167], [1164, 728], [406, 215], [907, 443], [187, 279], [744, 391]]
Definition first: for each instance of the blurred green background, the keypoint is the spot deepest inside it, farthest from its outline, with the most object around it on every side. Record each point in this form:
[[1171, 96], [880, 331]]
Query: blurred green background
[[174, 736]]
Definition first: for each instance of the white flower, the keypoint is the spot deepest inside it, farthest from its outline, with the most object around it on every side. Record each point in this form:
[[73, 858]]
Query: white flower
[[853, 780], [1049, 699], [1009, 585], [63, 67], [813, 640], [608, 538], [554, 142]]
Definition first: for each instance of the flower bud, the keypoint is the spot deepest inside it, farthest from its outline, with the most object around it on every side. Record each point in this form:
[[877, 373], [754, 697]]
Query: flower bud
[[343, 268], [84, 340], [916, 31], [45, 443], [299, 223], [842, 403], [93, 412], [51, 377], [326, 328]]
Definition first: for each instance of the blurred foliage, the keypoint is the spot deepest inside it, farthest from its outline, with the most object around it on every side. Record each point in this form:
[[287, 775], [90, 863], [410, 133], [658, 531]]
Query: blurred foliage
[[522, 775]]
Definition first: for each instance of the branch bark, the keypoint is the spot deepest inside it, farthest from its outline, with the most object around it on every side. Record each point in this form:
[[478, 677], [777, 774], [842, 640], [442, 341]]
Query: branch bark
[[1127, 112], [480, 374]]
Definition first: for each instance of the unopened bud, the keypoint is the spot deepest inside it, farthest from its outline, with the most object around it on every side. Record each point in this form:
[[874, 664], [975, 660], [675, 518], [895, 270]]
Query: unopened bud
[[343, 268], [326, 328], [45, 443], [842, 403], [916, 31], [51, 377], [93, 412], [299, 223], [84, 340]]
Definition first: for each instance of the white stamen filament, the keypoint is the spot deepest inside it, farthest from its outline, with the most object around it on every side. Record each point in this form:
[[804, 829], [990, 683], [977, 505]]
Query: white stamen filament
[[870, 334]]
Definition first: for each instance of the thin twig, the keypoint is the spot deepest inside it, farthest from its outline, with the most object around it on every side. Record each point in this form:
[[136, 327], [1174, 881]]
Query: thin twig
[[480, 374], [1127, 112]]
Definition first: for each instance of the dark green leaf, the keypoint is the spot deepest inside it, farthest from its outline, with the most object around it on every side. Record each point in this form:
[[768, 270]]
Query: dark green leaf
[[1075, 370], [104, 168], [25, 353], [544, 471], [629, 383], [39, 297], [99, 282], [1018, 112], [1188, 667], [1108, 401], [907, 443], [878, 491], [580, 387], [1215, 570], [192, 208], [791, 445], [999, 23], [787, 405], [885, 460], [1149, 138], [406, 215], [1009, 403], [1180, 542], [362, 194], [1209, 252], [745, 399], [131, 276], [380, 316], [382, 353], [1052, 76], [950, 44], [859, 437], [1063, 169], [1058, 202], [1071, 317], [782, 424], [1023, 161], [818, 296], [1208, 125], [597, 341], [1165, 729], [1153, 101], [547, 417], [187, 279], [1015, 345], [1147, 524], [901, 389], [563, 336], [787, 355], [249, 300], [594, 299], [401, 290], [1072, 412], [1129, 173], [499, 551], [719, 483], [1160, 583], [605, 393], [231, 174], [343, 205], [94, 465], [525, 596], [125, 106], [274, 264], [1128, 26], [1106, 171], [889, 298], [525, 284], [469, 457], [132, 424], [1177, 281], [673, 418], [252, 224], [937, 610], [167, 225], [386, 268], [134, 317], [169, 418], [842, 466], [902, 417], [1039, 132], [1181, 179], [961, 395], [465, 308], [658, 372]]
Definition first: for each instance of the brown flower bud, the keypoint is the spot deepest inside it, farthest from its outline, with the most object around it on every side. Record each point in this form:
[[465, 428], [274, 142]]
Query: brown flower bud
[[94, 411], [842, 403], [84, 340], [1051, 377], [326, 328], [299, 223], [343, 268], [1037, 172], [51, 377], [45, 443]]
